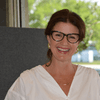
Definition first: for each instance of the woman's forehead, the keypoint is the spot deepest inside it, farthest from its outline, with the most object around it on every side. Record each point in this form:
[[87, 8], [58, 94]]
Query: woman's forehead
[[65, 27]]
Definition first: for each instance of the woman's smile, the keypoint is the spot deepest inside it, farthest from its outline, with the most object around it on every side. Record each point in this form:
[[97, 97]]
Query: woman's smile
[[63, 50]]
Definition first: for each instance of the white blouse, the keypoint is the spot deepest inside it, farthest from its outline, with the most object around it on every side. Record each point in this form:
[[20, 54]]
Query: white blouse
[[38, 84]]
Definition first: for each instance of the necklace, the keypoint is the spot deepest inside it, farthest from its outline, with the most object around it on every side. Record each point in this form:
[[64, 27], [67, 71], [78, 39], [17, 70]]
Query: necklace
[[72, 78], [68, 83]]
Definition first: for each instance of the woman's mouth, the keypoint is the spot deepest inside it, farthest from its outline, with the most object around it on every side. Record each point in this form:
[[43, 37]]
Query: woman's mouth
[[63, 50]]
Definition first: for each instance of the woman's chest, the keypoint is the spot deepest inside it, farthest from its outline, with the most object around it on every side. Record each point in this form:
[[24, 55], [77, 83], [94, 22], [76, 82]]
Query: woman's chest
[[64, 83]]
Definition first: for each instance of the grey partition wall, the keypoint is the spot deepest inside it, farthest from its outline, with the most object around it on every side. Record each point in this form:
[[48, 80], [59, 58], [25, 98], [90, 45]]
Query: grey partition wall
[[20, 49]]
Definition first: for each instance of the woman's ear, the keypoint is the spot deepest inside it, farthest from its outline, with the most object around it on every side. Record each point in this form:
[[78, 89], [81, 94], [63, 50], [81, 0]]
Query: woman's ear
[[48, 38]]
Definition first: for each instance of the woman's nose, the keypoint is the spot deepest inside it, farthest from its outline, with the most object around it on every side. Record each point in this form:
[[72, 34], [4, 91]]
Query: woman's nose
[[65, 41]]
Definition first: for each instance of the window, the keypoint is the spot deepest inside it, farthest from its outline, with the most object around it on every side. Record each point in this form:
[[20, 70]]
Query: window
[[17, 13]]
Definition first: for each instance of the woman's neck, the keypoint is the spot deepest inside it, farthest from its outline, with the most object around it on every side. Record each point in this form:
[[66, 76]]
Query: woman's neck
[[61, 67]]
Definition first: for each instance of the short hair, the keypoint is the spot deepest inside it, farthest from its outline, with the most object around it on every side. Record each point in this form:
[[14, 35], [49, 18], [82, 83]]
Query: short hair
[[65, 16]]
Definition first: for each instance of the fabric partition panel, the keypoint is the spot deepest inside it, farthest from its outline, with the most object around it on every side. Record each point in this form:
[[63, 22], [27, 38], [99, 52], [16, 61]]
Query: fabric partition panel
[[20, 49]]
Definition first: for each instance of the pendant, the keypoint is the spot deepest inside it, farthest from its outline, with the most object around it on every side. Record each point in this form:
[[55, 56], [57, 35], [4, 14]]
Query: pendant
[[66, 84]]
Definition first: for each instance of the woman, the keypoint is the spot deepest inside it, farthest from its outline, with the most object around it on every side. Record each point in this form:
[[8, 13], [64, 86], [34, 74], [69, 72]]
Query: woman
[[59, 79]]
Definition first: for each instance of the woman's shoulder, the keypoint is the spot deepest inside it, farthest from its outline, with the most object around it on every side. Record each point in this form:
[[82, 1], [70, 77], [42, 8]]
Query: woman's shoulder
[[30, 73], [88, 71]]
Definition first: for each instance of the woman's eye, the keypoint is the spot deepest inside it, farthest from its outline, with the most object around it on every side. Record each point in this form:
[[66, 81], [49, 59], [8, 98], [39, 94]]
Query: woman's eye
[[72, 37], [58, 35]]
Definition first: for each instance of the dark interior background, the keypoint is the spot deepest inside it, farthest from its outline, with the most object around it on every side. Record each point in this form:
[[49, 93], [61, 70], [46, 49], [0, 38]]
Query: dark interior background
[[2, 12], [20, 49]]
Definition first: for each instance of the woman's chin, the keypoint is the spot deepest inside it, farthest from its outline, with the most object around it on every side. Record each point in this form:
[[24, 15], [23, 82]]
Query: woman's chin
[[62, 58]]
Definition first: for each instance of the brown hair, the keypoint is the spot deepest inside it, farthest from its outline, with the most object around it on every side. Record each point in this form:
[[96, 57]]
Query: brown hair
[[65, 16]]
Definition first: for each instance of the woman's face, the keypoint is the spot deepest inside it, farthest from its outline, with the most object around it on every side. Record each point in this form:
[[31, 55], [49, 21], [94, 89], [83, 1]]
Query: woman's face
[[63, 50]]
